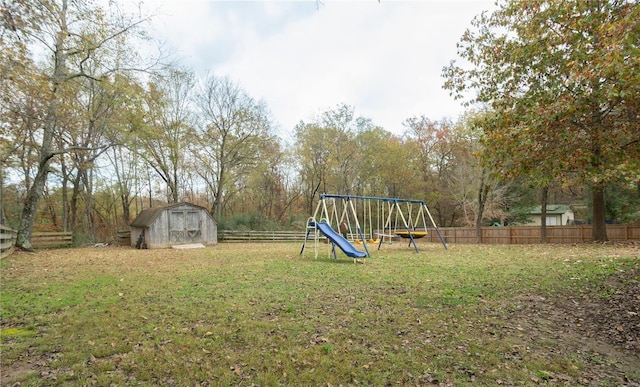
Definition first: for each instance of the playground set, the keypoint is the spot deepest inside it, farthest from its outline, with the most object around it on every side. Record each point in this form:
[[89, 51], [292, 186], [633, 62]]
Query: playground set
[[337, 218]]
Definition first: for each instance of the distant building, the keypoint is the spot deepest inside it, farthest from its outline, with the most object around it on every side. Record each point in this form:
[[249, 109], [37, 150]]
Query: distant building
[[557, 215], [173, 224]]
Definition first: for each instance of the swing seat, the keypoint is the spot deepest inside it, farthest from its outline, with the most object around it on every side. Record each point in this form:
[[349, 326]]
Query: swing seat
[[414, 234]]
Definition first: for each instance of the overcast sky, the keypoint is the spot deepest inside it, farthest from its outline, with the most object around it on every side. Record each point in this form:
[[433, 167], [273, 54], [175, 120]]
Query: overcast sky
[[383, 58]]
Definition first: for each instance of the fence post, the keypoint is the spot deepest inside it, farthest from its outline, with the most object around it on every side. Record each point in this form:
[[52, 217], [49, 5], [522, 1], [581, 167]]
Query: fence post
[[582, 238]]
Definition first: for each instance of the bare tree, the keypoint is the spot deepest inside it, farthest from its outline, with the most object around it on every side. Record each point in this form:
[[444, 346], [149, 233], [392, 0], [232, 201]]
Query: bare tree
[[234, 128], [168, 127]]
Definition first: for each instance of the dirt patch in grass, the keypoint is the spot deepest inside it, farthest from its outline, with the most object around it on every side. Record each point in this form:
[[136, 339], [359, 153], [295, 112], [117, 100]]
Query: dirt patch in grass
[[600, 325], [610, 312]]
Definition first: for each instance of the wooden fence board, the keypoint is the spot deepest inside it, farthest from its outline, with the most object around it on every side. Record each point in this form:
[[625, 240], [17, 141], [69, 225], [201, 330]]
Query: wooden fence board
[[490, 235], [531, 234], [123, 238], [62, 234], [453, 235], [261, 236], [50, 239], [7, 240]]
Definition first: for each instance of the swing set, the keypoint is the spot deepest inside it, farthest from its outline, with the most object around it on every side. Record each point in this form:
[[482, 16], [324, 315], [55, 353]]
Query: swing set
[[392, 217]]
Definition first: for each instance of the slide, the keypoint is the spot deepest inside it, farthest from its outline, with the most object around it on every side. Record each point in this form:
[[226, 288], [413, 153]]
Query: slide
[[339, 241]]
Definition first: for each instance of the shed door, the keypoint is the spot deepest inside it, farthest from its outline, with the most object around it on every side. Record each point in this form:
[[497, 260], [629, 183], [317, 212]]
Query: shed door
[[184, 227]]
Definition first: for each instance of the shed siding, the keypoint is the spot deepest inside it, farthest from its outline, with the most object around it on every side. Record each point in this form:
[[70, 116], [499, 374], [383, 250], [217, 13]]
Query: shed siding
[[135, 234], [560, 219], [178, 224]]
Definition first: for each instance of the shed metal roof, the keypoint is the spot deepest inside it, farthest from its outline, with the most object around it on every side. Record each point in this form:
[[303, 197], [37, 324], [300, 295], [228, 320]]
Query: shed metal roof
[[557, 209], [146, 217]]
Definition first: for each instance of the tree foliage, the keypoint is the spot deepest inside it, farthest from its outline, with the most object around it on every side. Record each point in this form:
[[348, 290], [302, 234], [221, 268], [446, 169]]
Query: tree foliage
[[98, 141], [80, 41], [168, 127], [561, 83], [342, 153], [234, 128]]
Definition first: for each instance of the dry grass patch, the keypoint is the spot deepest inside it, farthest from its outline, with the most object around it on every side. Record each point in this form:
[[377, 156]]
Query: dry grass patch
[[243, 314]]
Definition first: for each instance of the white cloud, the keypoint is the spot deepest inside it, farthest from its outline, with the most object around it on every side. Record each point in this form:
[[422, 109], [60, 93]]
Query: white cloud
[[383, 58]]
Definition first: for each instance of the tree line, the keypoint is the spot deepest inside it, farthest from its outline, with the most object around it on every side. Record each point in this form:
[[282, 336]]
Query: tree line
[[92, 133]]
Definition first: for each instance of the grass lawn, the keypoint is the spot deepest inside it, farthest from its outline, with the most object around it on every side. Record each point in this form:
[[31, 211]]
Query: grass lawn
[[260, 314]]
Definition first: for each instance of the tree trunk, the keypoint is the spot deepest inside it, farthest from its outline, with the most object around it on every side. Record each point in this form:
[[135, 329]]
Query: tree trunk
[[599, 227], [126, 214], [31, 201], [65, 195], [51, 208], [218, 199], [123, 187], [543, 214], [27, 219], [483, 191], [87, 180], [2, 217], [173, 184], [73, 205]]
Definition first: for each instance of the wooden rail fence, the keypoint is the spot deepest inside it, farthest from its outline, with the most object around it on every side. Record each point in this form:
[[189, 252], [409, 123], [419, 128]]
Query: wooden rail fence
[[52, 239], [7, 240], [38, 240], [261, 236]]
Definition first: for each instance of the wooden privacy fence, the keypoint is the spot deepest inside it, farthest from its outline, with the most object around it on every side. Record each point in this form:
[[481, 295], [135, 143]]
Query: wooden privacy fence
[[490, 235], [7, 240], [519, 235]]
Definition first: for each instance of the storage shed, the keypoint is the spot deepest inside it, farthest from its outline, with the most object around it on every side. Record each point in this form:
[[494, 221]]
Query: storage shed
[[173, 224], [557, 215]]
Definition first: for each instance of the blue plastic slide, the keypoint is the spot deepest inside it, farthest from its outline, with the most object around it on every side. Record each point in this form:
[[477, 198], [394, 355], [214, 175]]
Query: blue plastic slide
[[339, 241]]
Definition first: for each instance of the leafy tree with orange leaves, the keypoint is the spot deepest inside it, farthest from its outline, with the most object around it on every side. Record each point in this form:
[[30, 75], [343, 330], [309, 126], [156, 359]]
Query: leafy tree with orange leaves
[[560, 81]]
